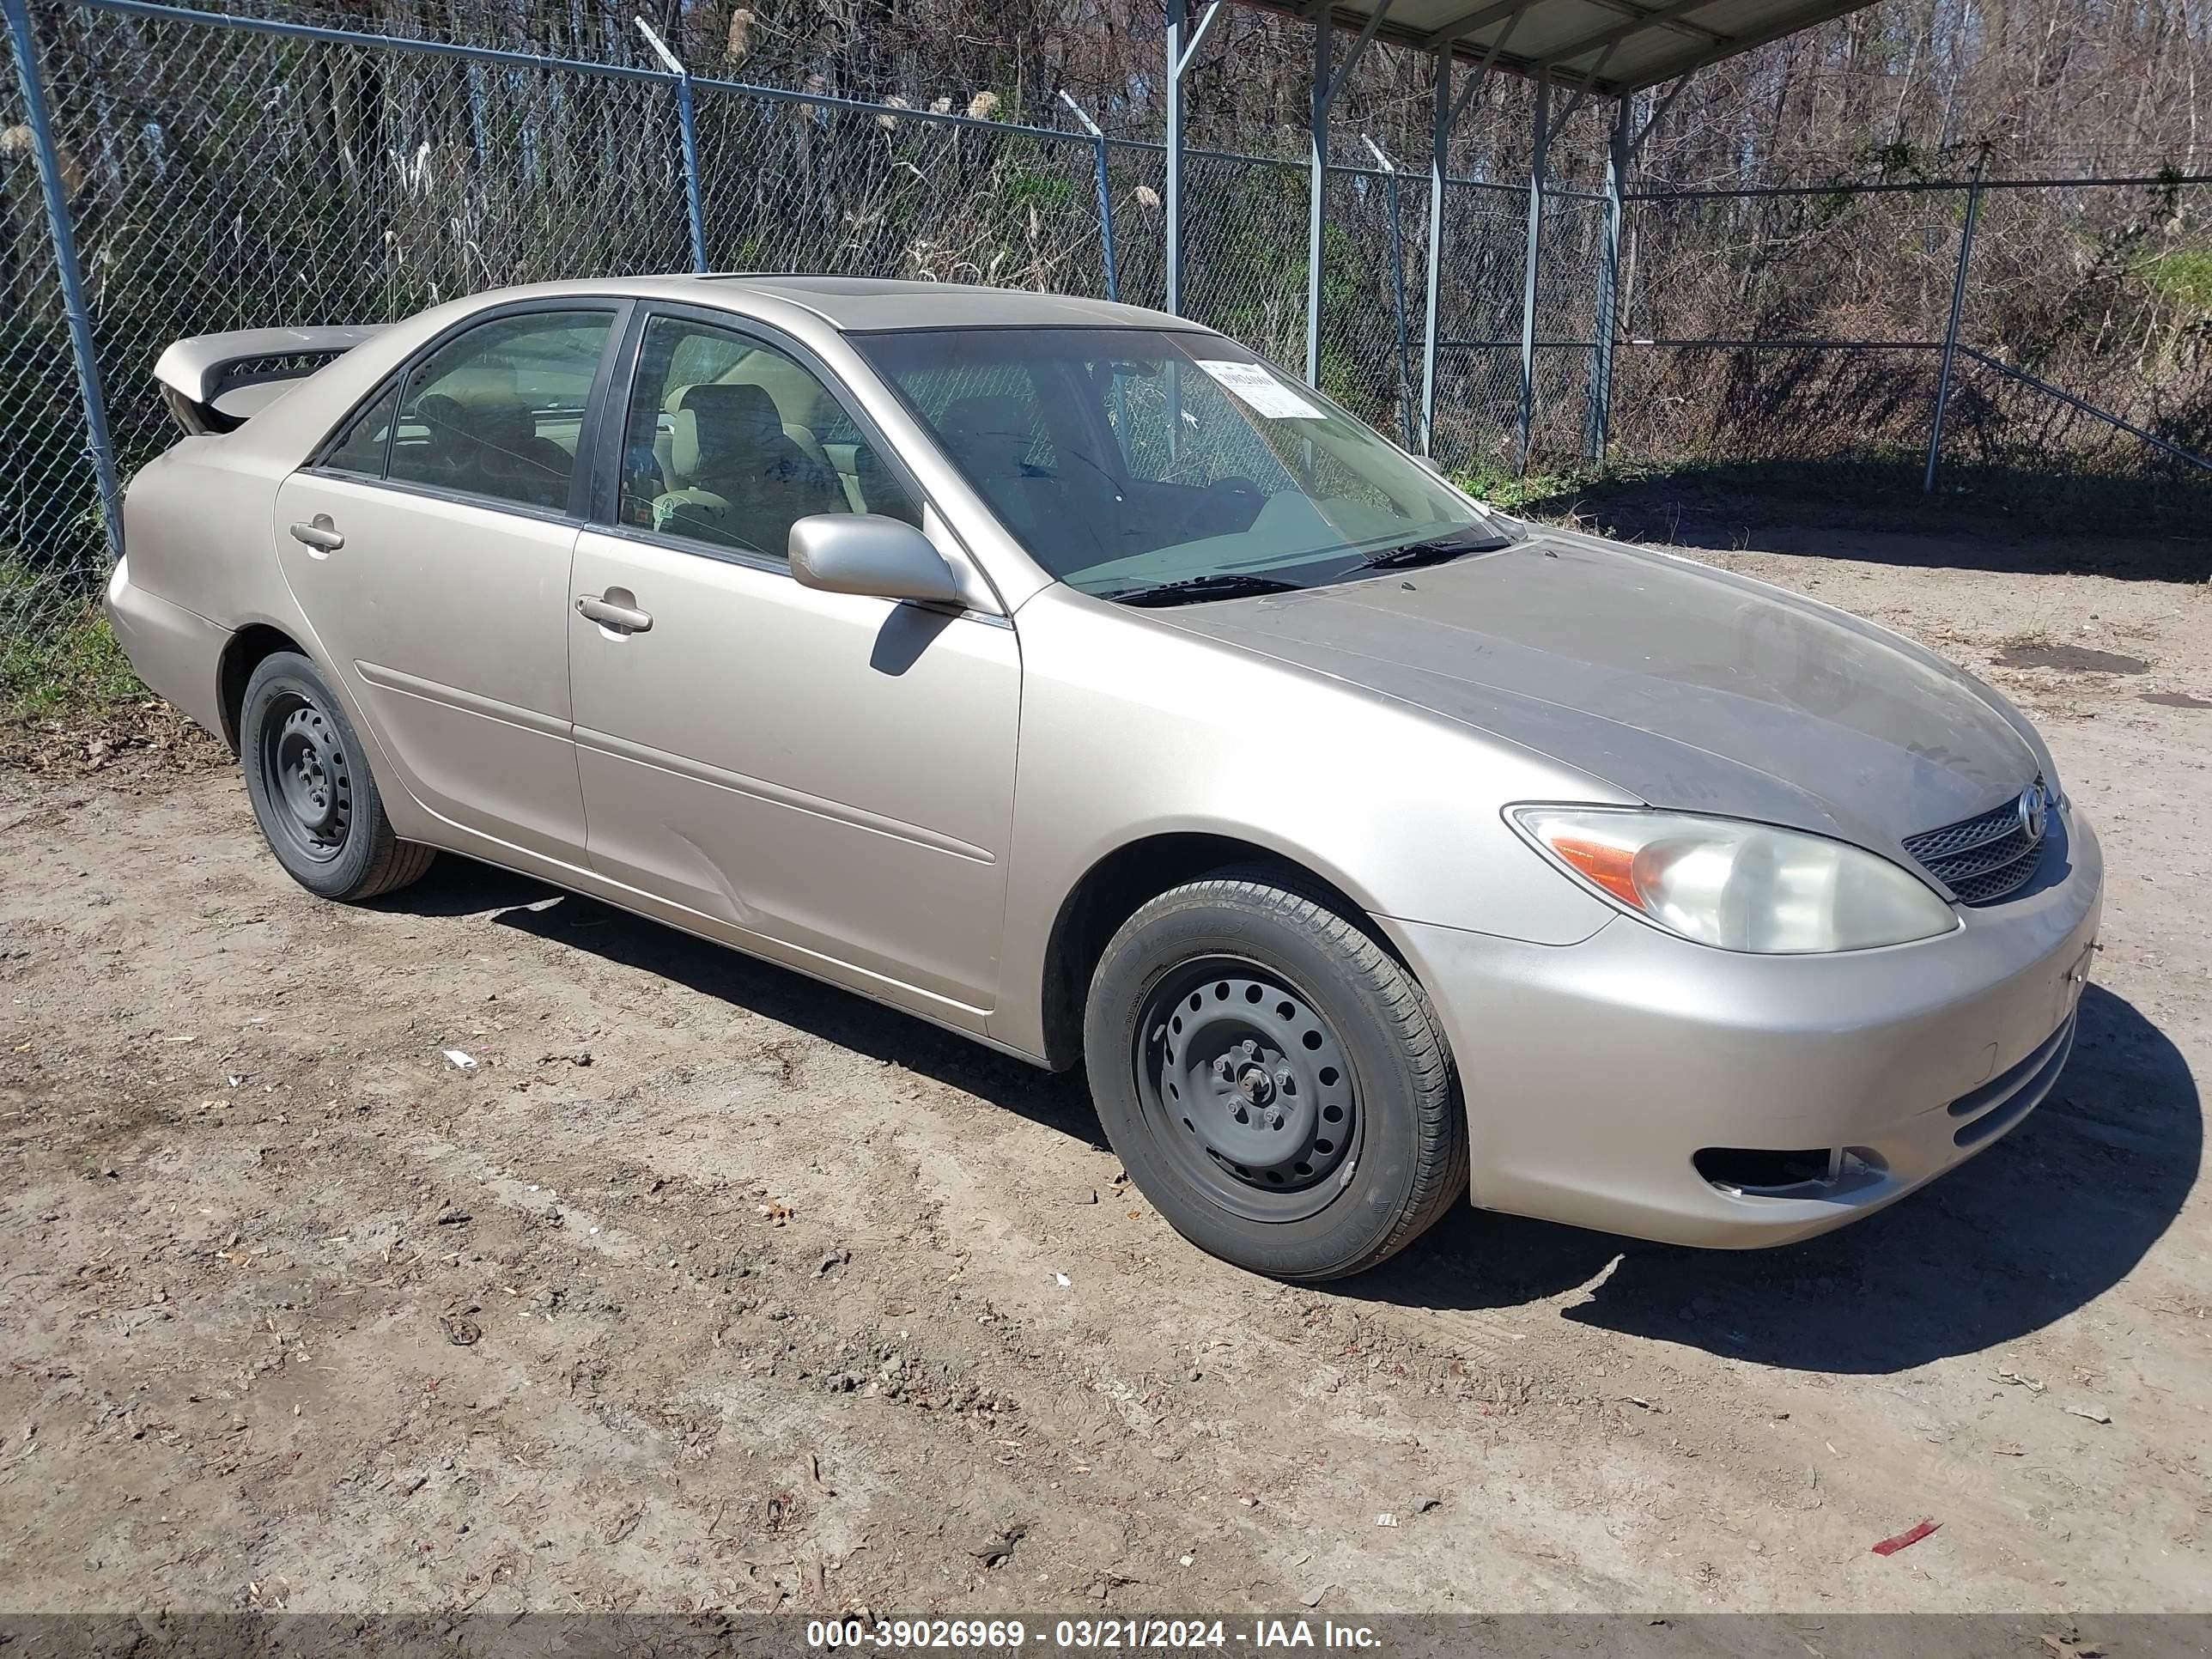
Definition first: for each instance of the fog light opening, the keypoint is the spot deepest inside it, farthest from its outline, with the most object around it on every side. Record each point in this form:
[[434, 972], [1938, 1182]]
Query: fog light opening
[[1806, 1172]]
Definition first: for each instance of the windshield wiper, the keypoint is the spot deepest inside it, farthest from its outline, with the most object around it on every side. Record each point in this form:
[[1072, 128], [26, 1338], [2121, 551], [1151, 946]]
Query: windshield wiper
[[1223, 585], [1434, 551]]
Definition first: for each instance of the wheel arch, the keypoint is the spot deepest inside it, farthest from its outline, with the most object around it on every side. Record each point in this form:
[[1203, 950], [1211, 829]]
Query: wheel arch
[[1121, 882], [248, 649]]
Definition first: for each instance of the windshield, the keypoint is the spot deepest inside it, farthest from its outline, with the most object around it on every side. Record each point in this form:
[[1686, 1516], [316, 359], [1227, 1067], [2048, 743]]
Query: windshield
[[1160, 467]]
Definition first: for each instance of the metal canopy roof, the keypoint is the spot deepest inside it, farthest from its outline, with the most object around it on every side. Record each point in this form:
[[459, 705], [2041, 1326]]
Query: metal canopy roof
[[1611, 46]]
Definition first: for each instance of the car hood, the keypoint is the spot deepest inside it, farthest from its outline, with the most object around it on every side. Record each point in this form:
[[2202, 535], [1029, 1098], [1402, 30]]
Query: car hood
[[1688, 687]]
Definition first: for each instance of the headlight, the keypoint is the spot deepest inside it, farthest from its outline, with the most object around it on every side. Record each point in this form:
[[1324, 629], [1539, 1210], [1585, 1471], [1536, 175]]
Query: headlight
[[1739, 886]]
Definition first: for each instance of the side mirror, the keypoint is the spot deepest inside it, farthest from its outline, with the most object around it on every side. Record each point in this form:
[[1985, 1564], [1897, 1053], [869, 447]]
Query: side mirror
[[1430, 465], [866, 553]]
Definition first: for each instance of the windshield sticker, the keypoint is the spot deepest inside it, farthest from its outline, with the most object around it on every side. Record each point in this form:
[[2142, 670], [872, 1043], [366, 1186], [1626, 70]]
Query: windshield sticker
[[1261, 391]]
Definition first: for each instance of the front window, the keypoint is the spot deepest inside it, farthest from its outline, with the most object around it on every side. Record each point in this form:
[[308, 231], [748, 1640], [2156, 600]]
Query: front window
[[730, 441], [1161, 467]]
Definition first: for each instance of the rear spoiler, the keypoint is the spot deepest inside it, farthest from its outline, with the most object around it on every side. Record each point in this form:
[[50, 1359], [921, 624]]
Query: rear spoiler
[[216, 382]]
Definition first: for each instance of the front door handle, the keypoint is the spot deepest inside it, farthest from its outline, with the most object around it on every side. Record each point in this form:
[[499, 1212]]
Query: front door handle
[[622, 618], [318, 533]]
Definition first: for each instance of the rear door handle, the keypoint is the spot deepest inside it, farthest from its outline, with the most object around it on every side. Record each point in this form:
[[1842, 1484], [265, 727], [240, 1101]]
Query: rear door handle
[[318, 533], [622, 618]]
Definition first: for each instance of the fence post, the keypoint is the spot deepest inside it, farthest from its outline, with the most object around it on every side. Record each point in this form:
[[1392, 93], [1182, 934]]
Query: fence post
[[1105, 191], [1951, 329], [1439, 176], [1539, 142], [1609, 281], [1179, 48], [687, 123], [1317, 187], [687, 128], [67, 272], [1406, 423]]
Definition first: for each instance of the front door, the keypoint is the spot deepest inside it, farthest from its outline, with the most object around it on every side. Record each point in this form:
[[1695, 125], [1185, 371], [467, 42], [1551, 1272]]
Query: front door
[[829, 773], [429, 546]]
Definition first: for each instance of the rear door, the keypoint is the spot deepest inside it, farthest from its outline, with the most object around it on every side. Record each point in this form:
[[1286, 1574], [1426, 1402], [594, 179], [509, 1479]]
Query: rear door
[[831, 772], [428, 545]]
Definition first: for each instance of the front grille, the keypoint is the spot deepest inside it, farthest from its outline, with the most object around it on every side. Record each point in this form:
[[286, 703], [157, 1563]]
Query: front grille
[[1981, 859]]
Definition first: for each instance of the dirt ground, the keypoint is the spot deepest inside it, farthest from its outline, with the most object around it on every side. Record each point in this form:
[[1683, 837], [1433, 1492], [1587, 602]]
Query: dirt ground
[[707, 1287]]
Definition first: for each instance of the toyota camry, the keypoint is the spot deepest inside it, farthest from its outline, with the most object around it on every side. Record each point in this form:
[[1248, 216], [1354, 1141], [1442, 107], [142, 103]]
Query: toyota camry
[[1061, 673]]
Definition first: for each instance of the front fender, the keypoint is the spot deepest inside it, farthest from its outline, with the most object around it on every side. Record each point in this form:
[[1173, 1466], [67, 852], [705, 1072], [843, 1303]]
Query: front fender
[[1133, 730]]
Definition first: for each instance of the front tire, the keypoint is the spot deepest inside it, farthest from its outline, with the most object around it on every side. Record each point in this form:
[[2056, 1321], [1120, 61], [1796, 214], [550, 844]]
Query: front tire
[[1273, 1080], [307, 774]]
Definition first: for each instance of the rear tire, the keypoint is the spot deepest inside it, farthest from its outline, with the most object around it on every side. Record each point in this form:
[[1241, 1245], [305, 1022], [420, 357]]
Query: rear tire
[[1273, 1078], [307, 776]]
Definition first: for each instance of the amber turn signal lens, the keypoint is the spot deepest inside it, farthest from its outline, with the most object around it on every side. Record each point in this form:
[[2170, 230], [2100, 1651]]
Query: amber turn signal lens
[[1612, 868]]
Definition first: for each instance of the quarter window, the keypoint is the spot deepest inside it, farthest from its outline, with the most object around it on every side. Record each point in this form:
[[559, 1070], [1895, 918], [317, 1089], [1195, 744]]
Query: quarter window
[[728, 442], [360, 445], [498, 411]]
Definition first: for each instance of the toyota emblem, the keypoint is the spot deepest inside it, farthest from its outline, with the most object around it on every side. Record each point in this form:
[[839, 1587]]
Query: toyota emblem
[[2035, 810]]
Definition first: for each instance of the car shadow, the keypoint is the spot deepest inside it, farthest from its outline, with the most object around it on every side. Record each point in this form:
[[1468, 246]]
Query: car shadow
[[456, 887], [2003, 523], [2046, 1220]]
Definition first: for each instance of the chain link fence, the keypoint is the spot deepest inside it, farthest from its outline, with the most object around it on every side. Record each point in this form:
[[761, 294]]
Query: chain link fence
[[222, 170], [52, 542], [1808, 324], [791, 184]]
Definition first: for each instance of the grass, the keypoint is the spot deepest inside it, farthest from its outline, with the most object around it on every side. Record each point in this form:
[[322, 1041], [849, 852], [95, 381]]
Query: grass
[[57, 659], [1538, 493], [2183, 276]]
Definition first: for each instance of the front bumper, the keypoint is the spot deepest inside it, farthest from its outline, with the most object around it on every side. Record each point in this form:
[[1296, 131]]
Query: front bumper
[[1595, 1075]]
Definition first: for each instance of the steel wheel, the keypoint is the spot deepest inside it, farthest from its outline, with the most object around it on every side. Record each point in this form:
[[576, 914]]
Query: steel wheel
[[1249, 1088], [306, 775], [313, 794]]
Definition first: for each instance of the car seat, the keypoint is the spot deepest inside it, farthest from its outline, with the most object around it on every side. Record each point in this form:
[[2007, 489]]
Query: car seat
[[747, 480]]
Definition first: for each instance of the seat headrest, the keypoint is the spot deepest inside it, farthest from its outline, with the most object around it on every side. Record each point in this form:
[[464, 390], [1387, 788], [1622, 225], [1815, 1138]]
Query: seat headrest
[[735, 414]]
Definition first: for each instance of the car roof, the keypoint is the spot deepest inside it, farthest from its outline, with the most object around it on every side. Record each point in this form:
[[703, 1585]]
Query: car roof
[[860, 304]]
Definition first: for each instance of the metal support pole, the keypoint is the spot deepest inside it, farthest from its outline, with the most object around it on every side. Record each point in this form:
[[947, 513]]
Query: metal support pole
[[1105, 191], [75, 309], [1396, 207], [1608, 284], [1951, 329], [687, 128], [1178, 26], [1106, 217], [1439, 169], [1539, 141], [1448, 111], [687, 124], [1183, 42], [1317, 198]]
